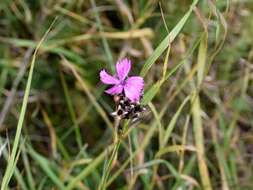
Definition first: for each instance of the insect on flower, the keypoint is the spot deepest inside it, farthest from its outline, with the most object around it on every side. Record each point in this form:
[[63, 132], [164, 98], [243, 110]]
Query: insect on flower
[[127, 90]]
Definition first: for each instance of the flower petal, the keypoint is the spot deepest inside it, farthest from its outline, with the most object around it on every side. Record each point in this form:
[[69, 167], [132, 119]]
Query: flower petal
[[133, 88], [107, 79], [116, 89], [123, 67]]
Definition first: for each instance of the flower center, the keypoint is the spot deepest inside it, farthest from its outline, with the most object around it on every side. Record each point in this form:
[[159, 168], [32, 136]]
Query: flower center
[[122, 82]]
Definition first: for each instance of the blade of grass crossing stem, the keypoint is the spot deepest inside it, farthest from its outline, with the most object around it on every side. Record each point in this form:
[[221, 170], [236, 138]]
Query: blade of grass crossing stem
[[11, 163], [167, 40]]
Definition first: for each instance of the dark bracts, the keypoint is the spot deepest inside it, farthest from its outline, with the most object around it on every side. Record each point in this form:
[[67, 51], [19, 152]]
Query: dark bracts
[[125, 109]]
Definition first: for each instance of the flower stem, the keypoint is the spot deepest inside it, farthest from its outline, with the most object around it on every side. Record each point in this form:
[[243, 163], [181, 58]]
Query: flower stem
[[109, 165], [113, 157]]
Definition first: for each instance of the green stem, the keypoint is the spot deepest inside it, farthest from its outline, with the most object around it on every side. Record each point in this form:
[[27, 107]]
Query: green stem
[[117, 142], [109, 166]]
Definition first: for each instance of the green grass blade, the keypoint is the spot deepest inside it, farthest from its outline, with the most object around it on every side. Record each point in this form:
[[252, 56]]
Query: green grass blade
[[45, 165], [199, 141], [202, 59], [46, 47], [71, 111], [170, 167], [17, 174], [154, 89], [172, 123], [167, 40], [197, 120], [11, 164], [158, 120], [88, 170], [30, 179], [144, 144], [151, 92], [104, 40]]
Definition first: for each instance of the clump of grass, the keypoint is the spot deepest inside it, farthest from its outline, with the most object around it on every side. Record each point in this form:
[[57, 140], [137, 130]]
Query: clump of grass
[[195, 57]]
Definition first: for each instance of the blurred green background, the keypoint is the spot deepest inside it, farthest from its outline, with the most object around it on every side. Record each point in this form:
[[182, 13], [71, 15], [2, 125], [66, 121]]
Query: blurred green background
[[67, 130]]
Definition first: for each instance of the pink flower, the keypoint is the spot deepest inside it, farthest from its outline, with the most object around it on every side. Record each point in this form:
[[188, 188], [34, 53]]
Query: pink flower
[[131, 86]]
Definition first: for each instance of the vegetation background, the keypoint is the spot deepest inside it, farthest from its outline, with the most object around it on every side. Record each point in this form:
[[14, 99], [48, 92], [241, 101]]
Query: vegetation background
[[55, 124]]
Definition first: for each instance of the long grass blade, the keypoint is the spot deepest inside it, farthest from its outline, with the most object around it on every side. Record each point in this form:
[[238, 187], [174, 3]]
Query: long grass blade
[[167, 40], [11, 163]]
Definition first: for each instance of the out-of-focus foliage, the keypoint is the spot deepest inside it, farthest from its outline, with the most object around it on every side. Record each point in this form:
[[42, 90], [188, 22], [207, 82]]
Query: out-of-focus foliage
[[198, 130]]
